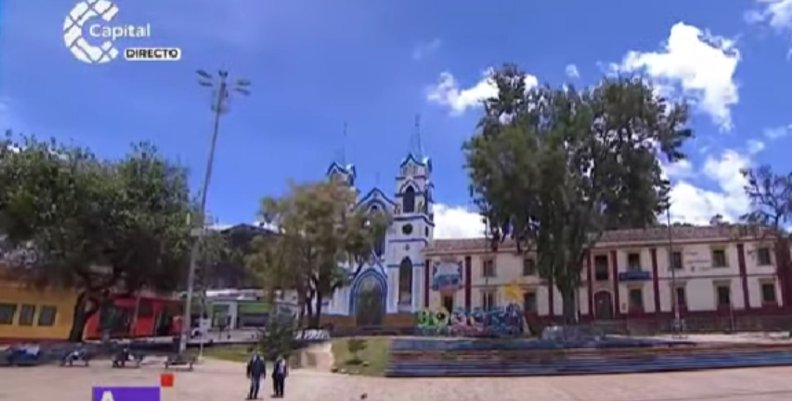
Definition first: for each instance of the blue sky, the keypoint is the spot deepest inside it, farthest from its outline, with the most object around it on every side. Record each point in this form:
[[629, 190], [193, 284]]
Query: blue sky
[[376, 64]]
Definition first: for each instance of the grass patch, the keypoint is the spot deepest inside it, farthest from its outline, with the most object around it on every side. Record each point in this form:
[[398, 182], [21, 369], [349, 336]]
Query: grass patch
[[233, 353], [373, 358]]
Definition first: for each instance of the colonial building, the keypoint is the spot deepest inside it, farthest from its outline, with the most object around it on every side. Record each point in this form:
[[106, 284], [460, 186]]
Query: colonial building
[[707, 271]]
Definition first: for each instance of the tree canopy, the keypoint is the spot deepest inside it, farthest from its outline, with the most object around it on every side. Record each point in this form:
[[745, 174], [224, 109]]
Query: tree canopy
[[93, 224], [551, 168], [320, 237], [770, 195]]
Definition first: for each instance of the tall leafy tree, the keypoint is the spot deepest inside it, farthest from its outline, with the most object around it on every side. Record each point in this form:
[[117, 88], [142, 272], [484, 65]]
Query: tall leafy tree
[[95, 225], [551, 168], [319, 232], [218, 260], [770, 195]]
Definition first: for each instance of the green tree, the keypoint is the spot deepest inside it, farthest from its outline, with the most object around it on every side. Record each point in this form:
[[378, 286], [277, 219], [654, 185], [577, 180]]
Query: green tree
[[553, 168], [319, 230], [216, 254], [277, 337], [90, 224], [770, 195]]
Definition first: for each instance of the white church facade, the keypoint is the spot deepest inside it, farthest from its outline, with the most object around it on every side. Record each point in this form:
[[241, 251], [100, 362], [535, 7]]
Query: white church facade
[[393, 280]]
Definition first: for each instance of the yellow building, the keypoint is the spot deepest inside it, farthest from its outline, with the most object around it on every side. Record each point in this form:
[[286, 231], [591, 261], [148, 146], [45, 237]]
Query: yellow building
[[28, 313]]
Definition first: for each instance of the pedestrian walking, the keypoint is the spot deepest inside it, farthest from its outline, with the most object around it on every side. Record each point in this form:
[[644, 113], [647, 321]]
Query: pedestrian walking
[[256, 368], [279, 373]]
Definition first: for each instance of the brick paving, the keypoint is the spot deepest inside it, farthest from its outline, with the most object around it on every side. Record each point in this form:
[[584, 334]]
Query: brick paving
[[224, 381]]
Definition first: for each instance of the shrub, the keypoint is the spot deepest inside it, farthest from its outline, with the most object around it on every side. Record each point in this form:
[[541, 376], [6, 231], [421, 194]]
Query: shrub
[[355, 345], [277, 337]]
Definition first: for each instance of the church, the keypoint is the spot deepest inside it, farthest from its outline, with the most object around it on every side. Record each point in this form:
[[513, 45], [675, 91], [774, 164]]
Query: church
[[390, 284]]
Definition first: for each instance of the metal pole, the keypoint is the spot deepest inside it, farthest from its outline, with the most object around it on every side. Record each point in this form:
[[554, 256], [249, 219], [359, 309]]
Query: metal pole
[[203, 313], [674, 301], [135, 317], [218, 108]]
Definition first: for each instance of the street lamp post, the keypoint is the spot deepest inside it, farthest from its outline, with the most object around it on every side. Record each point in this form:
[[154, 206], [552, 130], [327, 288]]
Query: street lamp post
[[674, 300], [222, 92]]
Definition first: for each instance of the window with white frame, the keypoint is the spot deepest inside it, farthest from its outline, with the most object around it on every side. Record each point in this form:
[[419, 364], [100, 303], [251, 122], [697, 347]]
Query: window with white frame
[[676, 260], [488, 268], [719, 258], [601, 268], [529, 302], [723, 295], [529, 266], [634, 262], [488, 299], [763, 257], [768, 293], [681, 297], [636, 300]]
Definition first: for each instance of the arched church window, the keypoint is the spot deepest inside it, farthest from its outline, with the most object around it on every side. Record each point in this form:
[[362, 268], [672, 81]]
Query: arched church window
[[405, 282], [409, 200], [379, 244]]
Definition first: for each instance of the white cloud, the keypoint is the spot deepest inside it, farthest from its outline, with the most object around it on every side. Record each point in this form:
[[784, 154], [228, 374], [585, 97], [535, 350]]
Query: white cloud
[[448, 93], [692, 204], [775, 13], [677, 170], [695, 63], [424, 49], [572, 71], [755, 146], [456, 222], [778, 132], [219, 226]]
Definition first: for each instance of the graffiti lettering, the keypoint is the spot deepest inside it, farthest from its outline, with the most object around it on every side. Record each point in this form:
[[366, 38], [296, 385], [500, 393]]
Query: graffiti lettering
[[498, 322]]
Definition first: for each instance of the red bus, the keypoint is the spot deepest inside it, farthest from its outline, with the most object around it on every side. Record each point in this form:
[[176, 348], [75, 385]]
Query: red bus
[[156, 317]]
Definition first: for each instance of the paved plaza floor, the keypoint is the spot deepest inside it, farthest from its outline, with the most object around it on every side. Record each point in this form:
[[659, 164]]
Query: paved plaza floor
[[225, 381]]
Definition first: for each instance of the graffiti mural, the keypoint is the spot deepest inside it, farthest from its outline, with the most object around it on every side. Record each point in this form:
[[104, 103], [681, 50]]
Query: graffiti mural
[[447, 276], [498, 322]]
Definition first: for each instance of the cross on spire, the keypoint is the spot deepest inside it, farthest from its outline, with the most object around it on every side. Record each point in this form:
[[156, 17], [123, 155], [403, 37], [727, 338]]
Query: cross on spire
[[416, 146], [341, 153]]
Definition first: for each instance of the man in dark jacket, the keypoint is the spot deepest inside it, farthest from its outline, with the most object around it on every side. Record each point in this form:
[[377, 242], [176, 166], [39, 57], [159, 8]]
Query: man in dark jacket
[[255, 369], [279, 372]]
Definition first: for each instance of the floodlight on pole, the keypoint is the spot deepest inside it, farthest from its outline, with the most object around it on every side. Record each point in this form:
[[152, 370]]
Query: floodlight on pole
[[219, 106]]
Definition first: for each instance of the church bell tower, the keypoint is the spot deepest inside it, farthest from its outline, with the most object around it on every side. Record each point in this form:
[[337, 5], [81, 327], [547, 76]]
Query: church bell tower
[[413, 228]]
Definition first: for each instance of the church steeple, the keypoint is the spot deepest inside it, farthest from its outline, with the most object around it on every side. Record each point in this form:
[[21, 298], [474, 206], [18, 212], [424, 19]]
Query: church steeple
[[415, 152], [413, 185], [340, 169], [413, 224], [416, 145]]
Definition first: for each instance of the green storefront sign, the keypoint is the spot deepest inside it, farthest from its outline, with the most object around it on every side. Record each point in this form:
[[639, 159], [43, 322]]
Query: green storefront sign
[[253, 314], [253, 308]]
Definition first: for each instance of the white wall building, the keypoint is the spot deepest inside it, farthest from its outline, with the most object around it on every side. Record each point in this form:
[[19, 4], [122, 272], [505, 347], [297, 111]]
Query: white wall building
[[717, 271]]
